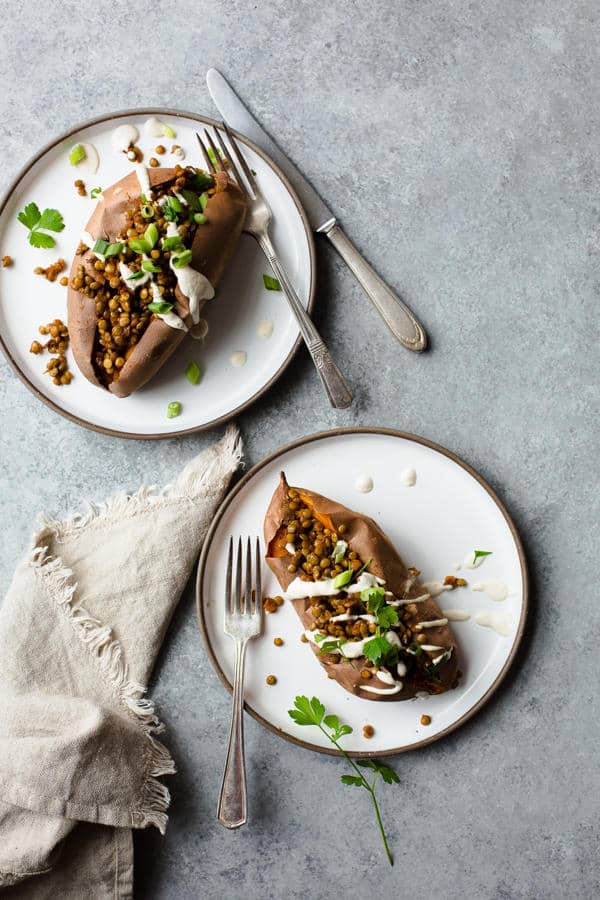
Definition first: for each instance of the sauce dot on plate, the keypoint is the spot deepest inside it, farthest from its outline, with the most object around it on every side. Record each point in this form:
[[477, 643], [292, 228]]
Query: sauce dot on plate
[[238, 359], [364, 484], [265, 329]]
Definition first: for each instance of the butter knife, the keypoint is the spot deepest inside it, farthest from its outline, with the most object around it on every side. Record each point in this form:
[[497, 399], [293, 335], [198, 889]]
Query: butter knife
[[394, 312]]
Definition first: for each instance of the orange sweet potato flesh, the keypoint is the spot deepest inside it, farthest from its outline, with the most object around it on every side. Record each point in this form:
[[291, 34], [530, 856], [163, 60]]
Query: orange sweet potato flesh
[[364, 536], [212, 249]]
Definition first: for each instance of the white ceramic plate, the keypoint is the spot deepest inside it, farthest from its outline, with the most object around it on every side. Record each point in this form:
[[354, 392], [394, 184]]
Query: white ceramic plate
[[448, 513], [242, 302]]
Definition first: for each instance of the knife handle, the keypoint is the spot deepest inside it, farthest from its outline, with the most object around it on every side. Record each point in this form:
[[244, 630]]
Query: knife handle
[[396, 314]]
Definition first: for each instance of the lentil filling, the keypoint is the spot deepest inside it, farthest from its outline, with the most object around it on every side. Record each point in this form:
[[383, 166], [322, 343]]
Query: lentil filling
[[134, 279]]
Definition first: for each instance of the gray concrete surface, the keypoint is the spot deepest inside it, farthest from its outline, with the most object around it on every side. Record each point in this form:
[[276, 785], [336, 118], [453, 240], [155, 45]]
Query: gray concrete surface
[[460, 145]]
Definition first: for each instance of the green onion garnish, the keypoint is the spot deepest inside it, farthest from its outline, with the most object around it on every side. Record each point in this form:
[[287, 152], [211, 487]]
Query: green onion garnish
[[95, 192], [100, 247], [193, 372], [175, 203], [173, 409], [135, 276], [202, 180], [151, 235], [140, 245], [200, 219], [271, 283], [148, 265], [203, 201], [77, 154], [181, 260], [168, 131], [343, 579], [147, 211], [172, 243], [160, 307], [114, 249]]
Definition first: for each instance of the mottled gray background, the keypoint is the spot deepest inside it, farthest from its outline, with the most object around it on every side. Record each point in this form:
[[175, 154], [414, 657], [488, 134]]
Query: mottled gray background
[[460, 145]]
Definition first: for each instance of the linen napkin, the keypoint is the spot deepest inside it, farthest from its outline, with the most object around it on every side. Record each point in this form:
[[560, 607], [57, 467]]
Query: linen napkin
[[80, 629]]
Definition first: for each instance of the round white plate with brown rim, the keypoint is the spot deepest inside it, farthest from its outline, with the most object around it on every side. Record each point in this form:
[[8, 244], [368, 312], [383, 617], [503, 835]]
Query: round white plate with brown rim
[[240, 317], [435, 525]]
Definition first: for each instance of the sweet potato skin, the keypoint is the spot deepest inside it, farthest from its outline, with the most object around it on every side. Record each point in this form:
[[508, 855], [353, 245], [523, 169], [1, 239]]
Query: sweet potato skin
[[370, 542], [212, 248]]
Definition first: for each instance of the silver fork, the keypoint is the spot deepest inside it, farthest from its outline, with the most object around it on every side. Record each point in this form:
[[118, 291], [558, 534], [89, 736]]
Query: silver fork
[[258, 220], [243, 621]]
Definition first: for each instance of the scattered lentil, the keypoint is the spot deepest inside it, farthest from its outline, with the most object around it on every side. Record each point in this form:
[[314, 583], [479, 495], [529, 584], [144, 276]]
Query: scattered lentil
[[368, 731], [278, 641], [270, 679], [425, 720], [7, 261]]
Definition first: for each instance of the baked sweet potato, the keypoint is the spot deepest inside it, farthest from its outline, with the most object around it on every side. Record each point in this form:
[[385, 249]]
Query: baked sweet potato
[[160, 256], [371, 624]]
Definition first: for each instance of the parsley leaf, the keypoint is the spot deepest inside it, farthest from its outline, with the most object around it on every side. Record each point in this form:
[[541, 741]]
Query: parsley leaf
[[33, 219], [52, 220], [40, 239], [30, 216], [387, 617], [312, 712], [380, 651]]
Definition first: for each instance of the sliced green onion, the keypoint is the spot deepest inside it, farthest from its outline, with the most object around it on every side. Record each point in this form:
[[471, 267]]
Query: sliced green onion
[[148, 265], [415, 649], [144, 198], [168, 131], [140, 245], [135, 276], [175, 203], [114, 249], [202, 180], [343, 579], [147, 211], [181, 260], [77, 154], [253, 171], [200, 219], [193, 372], [172, 243], [372, 596], [160, 307], [173, 409], [192, 199], [100, 247], [271, 283], [339, 551], [203, 201], [95, 192], [151, 235]]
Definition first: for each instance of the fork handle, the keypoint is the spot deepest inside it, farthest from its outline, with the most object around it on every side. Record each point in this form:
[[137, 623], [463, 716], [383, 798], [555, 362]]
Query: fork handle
[[233, 806], [340, 395], [395, 313]]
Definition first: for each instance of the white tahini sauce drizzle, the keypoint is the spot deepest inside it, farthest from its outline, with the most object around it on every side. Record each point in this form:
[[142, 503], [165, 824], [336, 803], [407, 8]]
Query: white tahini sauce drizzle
[[401, 669], [364, 484], [199, 330], [144, 179], [90, 162], [87, 239], [422, 695], [496, 590], [238, 359], [123, 137], [432, 623], [393, 639], [195, 286], [456, 615], [372, 690], [498, 622], [169, 318], [351, 649], [408, 477], [434, 588], [181, 198], [291, 548], [407, 600], [445, 655], [154, 127], [126, 274], [300, 590], [172, 229], [264, 329], [430, 647], [386, 677]]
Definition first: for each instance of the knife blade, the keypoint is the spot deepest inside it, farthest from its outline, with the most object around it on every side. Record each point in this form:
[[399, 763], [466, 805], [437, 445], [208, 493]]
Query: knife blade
[[395, 313]]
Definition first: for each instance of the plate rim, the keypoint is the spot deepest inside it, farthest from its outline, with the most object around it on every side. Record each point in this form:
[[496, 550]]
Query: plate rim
[[220, 420], [392, 432]]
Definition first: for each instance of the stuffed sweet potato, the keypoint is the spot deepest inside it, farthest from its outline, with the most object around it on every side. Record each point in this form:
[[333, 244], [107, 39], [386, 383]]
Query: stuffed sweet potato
[[372, 626], [155, 248]]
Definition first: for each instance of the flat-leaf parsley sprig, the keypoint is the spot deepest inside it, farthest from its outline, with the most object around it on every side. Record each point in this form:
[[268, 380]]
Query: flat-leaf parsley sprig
[[312, 712], [34, 220]]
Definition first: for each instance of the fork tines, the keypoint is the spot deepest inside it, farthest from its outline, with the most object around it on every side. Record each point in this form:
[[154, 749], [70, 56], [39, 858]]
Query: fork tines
[[244, 599], [215, 164]]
